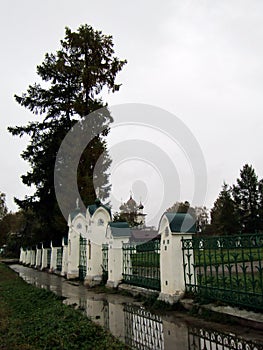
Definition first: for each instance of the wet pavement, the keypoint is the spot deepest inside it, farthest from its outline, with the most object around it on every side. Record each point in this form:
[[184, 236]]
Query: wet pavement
[[129, 321]]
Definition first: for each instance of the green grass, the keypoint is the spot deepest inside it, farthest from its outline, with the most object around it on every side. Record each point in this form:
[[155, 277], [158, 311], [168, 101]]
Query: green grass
[[145, 259], [32, 318], [220, 256], [239, 283]]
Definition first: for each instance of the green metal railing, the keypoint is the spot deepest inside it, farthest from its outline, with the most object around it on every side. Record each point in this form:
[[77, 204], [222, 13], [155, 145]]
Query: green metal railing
[[141, 264], [226, 268], [143, 330], [82, 258], [48, 257], [105, 249], [199, 338], [59, 258]]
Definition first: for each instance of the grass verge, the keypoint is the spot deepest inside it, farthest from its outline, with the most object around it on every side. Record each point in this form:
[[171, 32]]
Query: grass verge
[[32, 318]]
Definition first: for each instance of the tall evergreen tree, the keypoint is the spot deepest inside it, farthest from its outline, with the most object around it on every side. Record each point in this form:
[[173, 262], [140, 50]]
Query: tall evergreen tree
[[260, 205], [3, 207], [73, 79], [246, 197], [224, 218]]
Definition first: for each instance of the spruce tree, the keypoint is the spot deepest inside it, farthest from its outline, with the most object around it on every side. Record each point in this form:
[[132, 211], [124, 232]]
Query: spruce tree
[[73, 79], [246, 197], [224, 217]]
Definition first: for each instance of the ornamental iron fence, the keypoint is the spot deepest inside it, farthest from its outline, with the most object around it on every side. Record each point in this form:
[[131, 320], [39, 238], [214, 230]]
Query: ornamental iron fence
[[82, 258], [143, 330], [105, 249], [204, 339], [48, 257], [225, 268], [59, 259], [141, 264]]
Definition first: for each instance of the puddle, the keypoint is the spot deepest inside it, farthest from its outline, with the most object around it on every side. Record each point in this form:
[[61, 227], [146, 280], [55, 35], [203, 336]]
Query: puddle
[[129, 321]]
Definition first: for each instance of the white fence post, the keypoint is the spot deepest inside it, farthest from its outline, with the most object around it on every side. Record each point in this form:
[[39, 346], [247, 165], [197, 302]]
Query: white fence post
[[115, 264], [173, 227]]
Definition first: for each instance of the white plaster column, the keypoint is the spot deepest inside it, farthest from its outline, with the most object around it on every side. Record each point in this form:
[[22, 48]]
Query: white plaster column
[[44, 258], [115, 263], [33, 257], [171, 267], [21, 257], [94, 264], [38, 258], [28, 256], [64, 268], [73, 255], [53, 260]]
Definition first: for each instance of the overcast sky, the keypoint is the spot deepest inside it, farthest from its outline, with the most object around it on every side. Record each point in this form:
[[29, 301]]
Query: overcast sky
[[199, 60]]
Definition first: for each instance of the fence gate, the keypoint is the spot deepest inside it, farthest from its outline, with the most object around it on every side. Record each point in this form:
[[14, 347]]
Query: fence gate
[[82, 258], [59, 259], [105, 249], [226, 268], [141, 264]]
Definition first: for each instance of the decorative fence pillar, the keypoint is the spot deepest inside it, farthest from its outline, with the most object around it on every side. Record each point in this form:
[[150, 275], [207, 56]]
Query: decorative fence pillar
[[22, 258], [73, 254], [38, 255], [46, 255], [173, 227], [94, 264], [33, 257], [118, 234], [28, 256], [115, 265]]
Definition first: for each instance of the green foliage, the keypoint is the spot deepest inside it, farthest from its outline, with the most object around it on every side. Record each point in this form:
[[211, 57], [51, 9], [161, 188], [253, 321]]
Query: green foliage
[[246, 197], [239, 208], [34, 318], [200, 214], [224, 217], [3, 207], [130, 218], [73, 79]]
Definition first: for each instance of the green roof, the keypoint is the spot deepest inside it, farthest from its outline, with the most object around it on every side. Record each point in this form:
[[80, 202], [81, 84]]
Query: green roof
[[181, 222], [75, 212], [93, 207], [120, 229]]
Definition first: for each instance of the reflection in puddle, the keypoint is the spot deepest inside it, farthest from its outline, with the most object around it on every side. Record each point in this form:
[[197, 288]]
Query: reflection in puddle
[[131, 323]]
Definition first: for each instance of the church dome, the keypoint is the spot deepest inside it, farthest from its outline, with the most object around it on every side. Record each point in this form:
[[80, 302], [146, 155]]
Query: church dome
[[131, 204], [141, 207]]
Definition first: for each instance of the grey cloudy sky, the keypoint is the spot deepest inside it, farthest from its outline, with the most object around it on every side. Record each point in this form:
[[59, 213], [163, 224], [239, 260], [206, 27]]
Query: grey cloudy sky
[[200, 60]]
